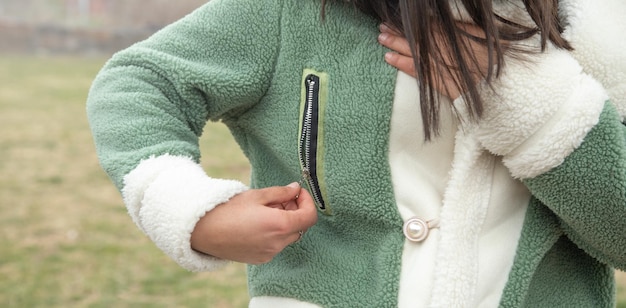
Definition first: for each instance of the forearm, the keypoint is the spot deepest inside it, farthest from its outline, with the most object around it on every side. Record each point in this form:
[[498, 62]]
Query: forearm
[[556, 130]]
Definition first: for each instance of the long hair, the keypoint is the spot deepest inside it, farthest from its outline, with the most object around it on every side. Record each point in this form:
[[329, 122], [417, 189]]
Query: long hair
[[420, 20]]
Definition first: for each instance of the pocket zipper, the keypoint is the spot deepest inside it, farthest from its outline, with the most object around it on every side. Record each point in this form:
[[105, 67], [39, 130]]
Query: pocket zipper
[[309, 139]]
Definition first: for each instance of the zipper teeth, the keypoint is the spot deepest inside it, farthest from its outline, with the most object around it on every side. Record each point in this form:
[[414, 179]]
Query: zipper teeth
[[305, 141], [304, 151], [308, 124]]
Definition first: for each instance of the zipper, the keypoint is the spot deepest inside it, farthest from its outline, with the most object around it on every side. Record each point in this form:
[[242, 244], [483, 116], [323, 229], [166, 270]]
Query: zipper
[[309, 140]]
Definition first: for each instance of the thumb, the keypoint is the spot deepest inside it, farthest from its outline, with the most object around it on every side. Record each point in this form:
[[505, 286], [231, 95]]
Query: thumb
[[305, 215], [278, 194]]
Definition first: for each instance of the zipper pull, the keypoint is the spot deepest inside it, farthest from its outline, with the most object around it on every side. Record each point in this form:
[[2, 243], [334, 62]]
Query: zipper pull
[[303, 178], [306, 175]]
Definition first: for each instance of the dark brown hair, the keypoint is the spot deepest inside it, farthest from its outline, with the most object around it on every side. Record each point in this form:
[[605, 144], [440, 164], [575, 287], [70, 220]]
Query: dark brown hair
[[419, 20]]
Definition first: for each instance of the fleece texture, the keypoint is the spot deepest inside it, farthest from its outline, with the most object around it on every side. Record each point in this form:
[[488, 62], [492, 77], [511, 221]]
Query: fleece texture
[[166, 196], [241, 62], [534, 132], [597, 31]]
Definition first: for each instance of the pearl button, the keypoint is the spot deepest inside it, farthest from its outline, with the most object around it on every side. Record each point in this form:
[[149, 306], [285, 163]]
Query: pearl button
[[416, 230]]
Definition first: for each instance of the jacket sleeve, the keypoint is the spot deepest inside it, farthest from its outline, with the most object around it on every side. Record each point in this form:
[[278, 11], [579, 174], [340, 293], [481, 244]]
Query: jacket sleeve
[[557, 130], [597, 30], [594, 216], [588, 191], [149, 104]]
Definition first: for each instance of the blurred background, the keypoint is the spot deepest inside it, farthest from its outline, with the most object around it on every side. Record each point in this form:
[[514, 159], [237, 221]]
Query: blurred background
[[83, 26], [65, 237]]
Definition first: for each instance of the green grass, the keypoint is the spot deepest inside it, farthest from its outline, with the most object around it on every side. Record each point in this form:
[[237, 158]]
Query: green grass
[[65, 237]]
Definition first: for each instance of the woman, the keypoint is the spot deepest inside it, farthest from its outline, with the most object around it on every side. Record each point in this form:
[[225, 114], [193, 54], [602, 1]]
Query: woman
[[511, 194]]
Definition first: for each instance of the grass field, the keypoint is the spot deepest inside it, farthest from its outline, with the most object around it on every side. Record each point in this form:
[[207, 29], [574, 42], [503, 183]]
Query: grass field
[[65, 237]]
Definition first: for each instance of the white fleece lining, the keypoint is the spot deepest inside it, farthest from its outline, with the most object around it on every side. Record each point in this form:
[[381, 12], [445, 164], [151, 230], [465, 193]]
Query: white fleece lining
[[419, 173], [596, 31], [166, 196], [465, 207]]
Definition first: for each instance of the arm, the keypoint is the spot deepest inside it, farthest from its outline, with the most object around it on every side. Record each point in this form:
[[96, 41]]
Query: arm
[[557, 131], [148, 106]]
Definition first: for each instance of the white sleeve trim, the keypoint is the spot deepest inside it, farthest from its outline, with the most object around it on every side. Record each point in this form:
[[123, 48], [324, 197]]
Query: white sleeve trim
[[596, 30], [166, 196], [561, 134], [539, 111]]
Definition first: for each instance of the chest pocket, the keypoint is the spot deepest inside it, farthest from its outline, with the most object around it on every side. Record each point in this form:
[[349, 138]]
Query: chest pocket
[[314, 96]]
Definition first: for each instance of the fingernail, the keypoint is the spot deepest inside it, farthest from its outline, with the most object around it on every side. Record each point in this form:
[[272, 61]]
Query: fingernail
[[294, 185], [388, 56], [383, 28], [383, 37]]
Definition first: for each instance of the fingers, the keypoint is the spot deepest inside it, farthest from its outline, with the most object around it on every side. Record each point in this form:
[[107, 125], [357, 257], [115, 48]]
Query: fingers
[[306, 214], [298, 236], [401, 57], [401, 62], [300, 211], [300, 214], [296, 215], [277, 194], [394, 41], [389, 29]]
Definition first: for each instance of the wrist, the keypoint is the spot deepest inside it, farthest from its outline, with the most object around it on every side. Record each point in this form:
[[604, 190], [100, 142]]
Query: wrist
[[167, 196]]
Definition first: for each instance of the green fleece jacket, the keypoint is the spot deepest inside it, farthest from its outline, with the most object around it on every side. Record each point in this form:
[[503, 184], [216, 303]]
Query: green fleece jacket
[[245, 62]]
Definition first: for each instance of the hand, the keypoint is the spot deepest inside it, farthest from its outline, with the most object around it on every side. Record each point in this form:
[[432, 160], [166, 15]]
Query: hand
[[402, 59], [256, 225]]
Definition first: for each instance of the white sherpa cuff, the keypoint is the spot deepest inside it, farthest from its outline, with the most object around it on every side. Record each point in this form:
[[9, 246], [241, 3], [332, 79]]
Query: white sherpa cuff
[[166, 196], [596, 30], [538, 112]]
